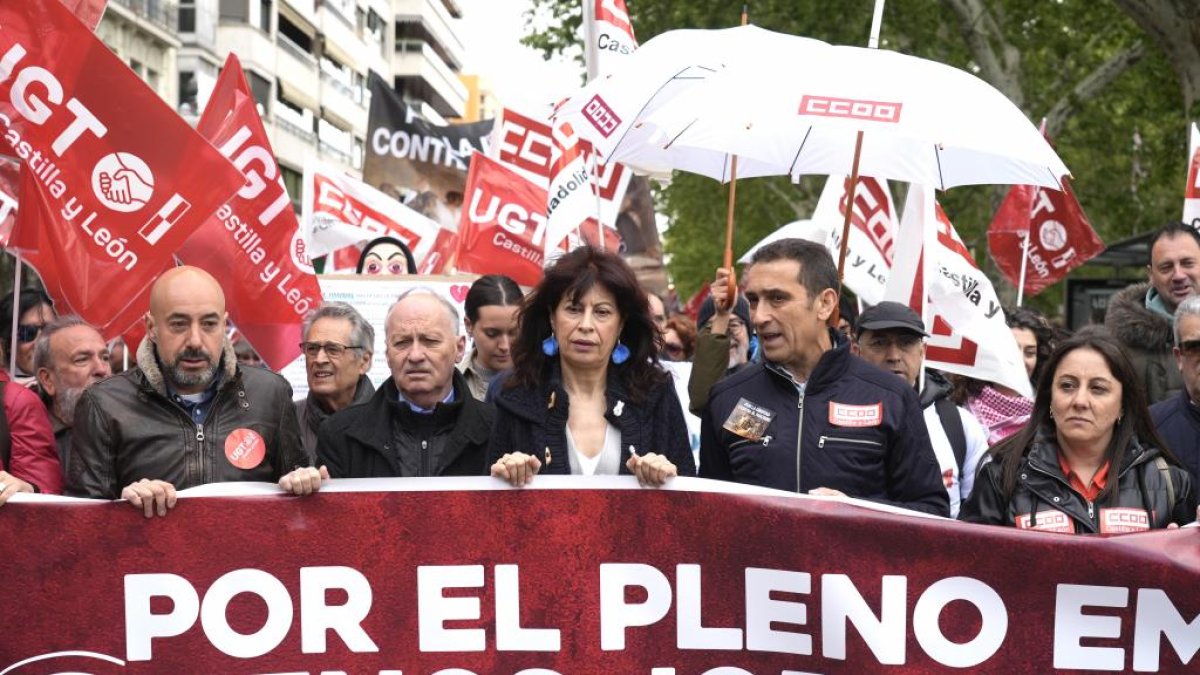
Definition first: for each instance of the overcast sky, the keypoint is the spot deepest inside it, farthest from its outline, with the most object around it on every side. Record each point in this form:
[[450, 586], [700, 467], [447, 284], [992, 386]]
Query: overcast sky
[[491, 31]]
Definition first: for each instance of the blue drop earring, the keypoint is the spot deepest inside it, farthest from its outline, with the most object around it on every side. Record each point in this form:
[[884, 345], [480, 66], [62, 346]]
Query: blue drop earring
[[620, 353], [550, 346]]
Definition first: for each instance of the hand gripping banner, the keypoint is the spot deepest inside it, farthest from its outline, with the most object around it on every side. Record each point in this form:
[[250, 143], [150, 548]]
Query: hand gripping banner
[[577, 575]]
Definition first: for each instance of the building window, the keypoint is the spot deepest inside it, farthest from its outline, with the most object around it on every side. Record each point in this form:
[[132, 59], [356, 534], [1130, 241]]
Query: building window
[[187, 16], [264, 18], [261, 88], [235, 10], [189, 92], [153, 79], [137, 67]]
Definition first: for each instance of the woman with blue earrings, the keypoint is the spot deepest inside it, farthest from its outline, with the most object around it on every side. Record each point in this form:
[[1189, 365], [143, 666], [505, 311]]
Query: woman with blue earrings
[[586, 395]]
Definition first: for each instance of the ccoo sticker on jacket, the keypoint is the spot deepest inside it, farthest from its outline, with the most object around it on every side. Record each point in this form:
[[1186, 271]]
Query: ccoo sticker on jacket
[[1122, 520], [846, 415], [748, 420], [1046, 521]]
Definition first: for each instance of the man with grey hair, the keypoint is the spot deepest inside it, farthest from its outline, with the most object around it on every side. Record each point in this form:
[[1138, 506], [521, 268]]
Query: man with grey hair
[[1178, 418], [423, 421], [68, 357], [338, 346]]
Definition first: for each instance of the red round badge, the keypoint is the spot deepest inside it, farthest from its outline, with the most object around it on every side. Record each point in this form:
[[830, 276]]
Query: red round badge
[[245, 449]]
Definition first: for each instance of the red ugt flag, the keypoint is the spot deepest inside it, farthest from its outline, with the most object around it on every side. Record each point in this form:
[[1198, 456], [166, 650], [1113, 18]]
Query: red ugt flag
[[253, 244], [1060, 236], [122, 180]]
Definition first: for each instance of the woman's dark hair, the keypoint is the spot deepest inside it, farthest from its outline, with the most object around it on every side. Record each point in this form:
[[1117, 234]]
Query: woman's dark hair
[[1034, 322], [1135, 416], [491, 289], [572, 276], [408, 256], [31, 298]]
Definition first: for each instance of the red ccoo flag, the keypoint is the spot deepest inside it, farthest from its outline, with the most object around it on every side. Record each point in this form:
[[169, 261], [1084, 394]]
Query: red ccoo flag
[[1060, 236]]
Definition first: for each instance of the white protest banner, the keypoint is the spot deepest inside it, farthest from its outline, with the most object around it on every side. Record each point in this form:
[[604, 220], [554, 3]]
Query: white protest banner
[[969, 335], [1191, 195], [338, 210], [607, 35]]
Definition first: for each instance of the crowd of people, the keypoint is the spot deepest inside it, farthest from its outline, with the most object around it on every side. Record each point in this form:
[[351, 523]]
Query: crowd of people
[[795, 388]]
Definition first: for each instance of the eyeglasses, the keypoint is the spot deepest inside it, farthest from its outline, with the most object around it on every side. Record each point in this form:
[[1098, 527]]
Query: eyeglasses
[[333, 350], [29, 332], [1190, 347]]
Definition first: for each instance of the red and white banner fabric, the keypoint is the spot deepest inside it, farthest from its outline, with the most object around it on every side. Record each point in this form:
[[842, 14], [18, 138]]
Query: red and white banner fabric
[[968, 333], [1191, 195], [339, 210], [557, 160], [1060, 235], [253, 244], [607, 35], [121, 179], [503, 226], [357, 581]]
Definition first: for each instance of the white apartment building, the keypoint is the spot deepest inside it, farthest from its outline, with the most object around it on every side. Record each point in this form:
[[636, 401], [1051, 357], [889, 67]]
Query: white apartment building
[[307, 63]]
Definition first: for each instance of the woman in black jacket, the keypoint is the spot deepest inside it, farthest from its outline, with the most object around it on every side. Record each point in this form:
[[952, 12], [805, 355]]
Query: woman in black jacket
[[1090, 460], [587, 395]]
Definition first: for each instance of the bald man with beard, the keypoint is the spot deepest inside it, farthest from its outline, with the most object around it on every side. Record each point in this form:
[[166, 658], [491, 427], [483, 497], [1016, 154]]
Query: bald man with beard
[[187, 414]]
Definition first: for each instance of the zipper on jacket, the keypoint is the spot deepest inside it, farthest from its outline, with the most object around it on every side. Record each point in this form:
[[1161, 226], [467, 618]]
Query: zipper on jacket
[[424, 458], [863, 441], [1091, 509], [199, 433], [799, 438]]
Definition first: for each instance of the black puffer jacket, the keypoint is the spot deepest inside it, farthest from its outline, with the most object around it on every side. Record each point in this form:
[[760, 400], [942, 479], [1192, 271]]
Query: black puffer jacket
[[384, 438], [534, 421], [1148, 338], [856, 428], [1044, 500], [127, 429]]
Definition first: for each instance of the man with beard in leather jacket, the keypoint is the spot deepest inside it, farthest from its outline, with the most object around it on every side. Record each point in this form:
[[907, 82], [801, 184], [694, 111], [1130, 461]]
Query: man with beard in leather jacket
[[187, 414]]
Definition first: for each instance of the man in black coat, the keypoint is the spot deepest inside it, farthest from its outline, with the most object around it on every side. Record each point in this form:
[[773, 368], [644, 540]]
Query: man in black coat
[[1178, 418], [423, 421]]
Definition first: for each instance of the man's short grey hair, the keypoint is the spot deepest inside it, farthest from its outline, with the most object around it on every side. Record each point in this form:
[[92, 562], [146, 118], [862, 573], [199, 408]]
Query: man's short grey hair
[[1189, 307], [455, 319], [42, 357], [362, 334]]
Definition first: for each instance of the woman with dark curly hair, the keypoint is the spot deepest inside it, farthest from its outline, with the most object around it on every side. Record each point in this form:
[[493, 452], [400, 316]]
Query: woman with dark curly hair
[[1000, 410], [587, 395], [1090, 459]]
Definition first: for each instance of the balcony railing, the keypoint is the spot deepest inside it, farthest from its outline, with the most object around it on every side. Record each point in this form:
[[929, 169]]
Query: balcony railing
[[296, 50], [162, 13]]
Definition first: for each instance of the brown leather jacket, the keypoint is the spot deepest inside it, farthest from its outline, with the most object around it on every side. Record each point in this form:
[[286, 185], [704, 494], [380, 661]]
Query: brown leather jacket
[[126, 428]]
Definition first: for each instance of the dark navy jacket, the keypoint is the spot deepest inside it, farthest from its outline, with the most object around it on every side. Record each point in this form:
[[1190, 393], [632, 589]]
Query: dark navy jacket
[[861, 431], [1178, 422]]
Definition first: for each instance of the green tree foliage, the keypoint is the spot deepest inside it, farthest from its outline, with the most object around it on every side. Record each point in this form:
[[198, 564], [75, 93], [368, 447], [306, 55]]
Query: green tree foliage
[[1114, 101]]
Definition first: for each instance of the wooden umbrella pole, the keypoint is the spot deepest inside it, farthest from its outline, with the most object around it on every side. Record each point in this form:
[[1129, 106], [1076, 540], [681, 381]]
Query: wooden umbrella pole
[[858, 142], [728, 258]]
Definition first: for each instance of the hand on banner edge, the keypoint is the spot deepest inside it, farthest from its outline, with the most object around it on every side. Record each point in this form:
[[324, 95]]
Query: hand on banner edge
[[11, 485], [150, 496], [651, 469], [304, 480], [516, 468]]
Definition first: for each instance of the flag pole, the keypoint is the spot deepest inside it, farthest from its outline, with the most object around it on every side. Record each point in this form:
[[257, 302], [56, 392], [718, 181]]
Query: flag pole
[[596, 191], [12, 342], [1024, 264], [872, 43], [727, 262]]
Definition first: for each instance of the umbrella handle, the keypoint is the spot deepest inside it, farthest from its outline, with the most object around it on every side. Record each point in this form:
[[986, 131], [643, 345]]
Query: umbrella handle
[[858, 142], [728, 259]]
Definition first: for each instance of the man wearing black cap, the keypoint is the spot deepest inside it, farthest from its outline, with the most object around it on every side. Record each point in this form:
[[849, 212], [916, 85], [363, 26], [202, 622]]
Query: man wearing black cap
[[723, 339], [892, 336], [812, 417]]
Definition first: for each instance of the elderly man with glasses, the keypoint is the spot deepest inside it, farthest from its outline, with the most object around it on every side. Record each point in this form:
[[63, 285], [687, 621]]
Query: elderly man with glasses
[[1178, 418], [338, 346]]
